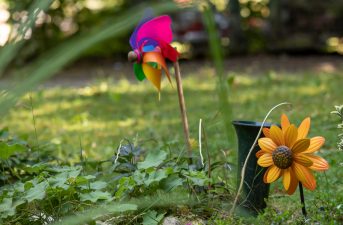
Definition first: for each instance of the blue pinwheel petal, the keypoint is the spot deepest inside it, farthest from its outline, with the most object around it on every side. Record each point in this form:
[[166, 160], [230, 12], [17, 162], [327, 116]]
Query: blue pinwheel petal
[[148, 48]]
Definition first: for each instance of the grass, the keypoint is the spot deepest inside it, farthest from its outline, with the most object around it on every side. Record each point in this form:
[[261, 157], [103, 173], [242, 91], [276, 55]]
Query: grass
[[105, 111]]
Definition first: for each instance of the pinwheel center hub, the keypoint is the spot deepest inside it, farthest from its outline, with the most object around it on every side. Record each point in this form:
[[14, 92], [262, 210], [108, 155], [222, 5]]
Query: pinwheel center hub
[[282, 157]]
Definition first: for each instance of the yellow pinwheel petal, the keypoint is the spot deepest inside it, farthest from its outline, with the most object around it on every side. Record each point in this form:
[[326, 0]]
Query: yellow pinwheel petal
[[290, 135], [266, 144], [286, 178], [157, 57], [266, 132], [315, 144], [294, 182], [276, 135], [300, 145], [272, 174], [305, 176], [284, 122], [303, 160], [319, 164], [265, 160], [153, 75], [304, 128]]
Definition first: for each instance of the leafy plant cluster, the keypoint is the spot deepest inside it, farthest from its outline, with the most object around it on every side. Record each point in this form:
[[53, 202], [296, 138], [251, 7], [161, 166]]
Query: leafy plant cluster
[[19, 159], [44, 191], [339, 112]]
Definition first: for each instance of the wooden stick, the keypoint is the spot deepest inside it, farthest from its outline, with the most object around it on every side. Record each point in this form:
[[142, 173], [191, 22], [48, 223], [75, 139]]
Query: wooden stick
[[183, 108]]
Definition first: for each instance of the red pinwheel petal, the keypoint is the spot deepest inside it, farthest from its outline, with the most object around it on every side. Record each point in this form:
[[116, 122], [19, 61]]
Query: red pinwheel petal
[[169, 52]]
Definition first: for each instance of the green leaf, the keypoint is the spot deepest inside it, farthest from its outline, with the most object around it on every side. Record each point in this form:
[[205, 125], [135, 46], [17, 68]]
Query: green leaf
[[97, 185], [153, 159], [37, 192], [7, 150], [36, 168], [91, 214], [6, 208], [197, 177], [172, 182], [155, 176], [94, 196], [152, 218]]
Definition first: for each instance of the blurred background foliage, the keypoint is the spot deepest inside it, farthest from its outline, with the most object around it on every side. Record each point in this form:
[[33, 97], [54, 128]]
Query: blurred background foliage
[[245, 26]]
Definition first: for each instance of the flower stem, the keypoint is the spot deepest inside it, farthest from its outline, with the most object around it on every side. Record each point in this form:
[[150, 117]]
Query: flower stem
[[302, 198]]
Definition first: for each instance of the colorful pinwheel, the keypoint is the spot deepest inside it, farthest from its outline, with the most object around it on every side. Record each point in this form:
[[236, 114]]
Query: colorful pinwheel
[[151, 46]]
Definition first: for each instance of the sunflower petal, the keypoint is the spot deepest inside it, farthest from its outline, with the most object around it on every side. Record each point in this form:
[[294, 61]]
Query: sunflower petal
[[265, 160], [303, 160], [319, 164], [276, 135], [286, 178], [266, 144], [272, 174], [260, 153], [284, 122], [315, 144], [300, 145], [291, 135], [294, 182], [305, 176], [304, 128], [266, 132]]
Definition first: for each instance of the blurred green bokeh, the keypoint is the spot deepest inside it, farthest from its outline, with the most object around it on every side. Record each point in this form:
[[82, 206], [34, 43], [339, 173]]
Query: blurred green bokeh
[[248, 26]]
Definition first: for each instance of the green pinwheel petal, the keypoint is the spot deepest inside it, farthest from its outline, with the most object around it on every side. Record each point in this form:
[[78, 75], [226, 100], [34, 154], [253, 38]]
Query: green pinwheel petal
[[153, 65], [138, 71]]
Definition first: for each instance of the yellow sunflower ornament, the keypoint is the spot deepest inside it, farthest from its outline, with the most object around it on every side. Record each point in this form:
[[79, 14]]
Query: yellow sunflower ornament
[[288, 153]]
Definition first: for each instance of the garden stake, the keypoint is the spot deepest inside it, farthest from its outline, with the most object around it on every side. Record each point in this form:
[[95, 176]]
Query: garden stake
[[150, 42], [301, 191], [183, 108]]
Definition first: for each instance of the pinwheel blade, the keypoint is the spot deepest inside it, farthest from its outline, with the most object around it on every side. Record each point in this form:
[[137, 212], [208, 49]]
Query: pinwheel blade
[[153, 75], [138, 71], [158, 29], [156, 57]]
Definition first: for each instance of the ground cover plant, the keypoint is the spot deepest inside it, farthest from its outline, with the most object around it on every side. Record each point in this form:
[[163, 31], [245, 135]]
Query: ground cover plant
[[109, 152], [90, 122]]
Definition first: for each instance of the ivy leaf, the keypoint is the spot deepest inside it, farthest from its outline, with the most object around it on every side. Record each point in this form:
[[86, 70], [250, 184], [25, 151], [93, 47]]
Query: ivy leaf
[[7, 150], [37, 192], [94, 196], [172, 182], [36, 168], [196, 177], [152, 218], [6, 208], [153, 159], [97, 185], [90, 214], [155, 176]]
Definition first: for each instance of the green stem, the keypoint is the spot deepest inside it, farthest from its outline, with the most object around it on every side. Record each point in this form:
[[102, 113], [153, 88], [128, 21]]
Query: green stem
[[302, 199]]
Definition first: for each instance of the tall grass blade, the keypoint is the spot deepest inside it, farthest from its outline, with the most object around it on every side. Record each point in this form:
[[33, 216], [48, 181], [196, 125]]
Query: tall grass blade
[[222, 87]]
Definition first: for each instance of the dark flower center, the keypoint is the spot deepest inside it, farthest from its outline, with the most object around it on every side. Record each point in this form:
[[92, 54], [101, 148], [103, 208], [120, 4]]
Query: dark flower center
[[282, 157]]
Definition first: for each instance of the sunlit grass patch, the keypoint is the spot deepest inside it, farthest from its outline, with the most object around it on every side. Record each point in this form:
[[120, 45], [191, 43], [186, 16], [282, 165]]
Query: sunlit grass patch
[[105, 111]]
